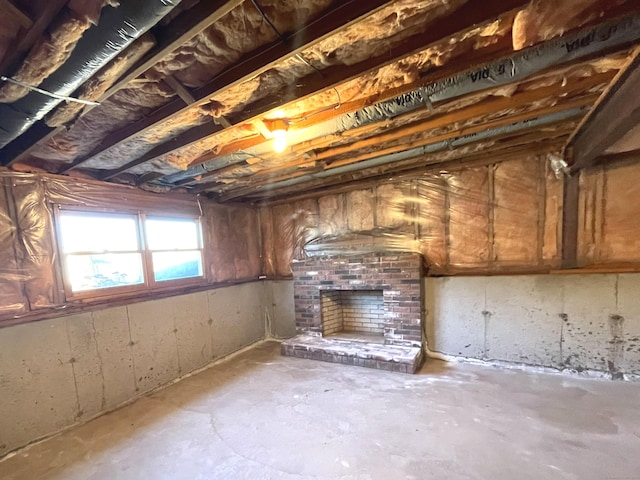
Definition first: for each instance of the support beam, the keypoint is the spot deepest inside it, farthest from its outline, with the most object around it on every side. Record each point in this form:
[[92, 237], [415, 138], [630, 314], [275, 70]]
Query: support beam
[[615, 113], [570, 199], [180, 89], [339, 18]]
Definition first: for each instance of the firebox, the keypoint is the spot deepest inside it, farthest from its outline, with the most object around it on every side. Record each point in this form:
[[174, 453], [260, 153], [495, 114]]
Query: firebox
[[352, 311]]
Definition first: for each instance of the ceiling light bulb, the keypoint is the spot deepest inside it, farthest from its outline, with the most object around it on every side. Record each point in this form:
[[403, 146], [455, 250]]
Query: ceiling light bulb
[[279, 140]]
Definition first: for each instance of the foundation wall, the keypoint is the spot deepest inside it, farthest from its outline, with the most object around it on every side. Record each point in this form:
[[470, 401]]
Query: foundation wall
[[575, 322], [63, 371]]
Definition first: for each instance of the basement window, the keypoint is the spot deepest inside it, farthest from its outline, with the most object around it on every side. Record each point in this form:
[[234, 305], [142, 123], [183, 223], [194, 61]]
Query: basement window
[[113, 253], [176, 248]]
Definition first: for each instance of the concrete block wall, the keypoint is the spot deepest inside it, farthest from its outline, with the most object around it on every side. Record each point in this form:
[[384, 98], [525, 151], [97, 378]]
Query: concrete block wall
[[59, 372], [577, 322]]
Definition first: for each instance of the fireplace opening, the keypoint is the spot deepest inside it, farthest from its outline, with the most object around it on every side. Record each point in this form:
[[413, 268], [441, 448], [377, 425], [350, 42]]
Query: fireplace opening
[[353, 314]]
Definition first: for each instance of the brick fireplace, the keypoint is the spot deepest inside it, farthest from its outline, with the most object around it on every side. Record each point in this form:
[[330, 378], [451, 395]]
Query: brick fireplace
[[370, 305]]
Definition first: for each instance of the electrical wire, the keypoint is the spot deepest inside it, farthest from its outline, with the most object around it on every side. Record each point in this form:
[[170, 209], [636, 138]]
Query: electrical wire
[[45, 92]]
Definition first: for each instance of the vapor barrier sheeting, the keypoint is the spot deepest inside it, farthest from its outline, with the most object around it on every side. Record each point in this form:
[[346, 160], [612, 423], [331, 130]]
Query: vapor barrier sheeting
[[493, 218], [29, 276]]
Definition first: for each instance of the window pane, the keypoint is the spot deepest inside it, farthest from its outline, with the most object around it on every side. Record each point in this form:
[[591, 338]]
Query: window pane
[[175, 265], [85, 232], [172, 234], [90, 272]]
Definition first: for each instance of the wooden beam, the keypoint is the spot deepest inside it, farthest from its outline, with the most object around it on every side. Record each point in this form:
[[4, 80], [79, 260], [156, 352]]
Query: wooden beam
[[254, 63], [180, 89], [49, 11], [184, 27], [570, 197], [22, 18], [340, 17], [614, 114]]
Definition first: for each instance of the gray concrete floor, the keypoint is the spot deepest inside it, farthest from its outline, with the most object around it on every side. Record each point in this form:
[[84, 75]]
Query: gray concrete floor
[[263, 416]]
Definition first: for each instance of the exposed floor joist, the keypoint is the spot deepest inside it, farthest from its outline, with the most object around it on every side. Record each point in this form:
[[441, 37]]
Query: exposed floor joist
[[246, 68], [184, 27]]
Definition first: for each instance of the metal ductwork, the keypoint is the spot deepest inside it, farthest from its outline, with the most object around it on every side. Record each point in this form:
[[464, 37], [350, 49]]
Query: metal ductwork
[[116, 29]]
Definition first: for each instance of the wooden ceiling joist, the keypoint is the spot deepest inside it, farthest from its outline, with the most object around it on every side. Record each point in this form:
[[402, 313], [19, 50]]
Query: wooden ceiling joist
[[615, 113], [18, 15], [439, 74], [338, 18], [184, 27], [33, 33], [492, 104], [469, 15]]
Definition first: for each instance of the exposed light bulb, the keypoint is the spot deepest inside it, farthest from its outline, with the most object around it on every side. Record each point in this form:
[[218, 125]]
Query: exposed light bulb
[[279, 140]]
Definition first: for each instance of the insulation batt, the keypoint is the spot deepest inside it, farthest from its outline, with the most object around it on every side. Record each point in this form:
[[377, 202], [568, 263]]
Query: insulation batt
[[233, 236], [395, 75], [546, 19], [450, 209], [608, 210], [240, 31], [12, 300], [95, 87], [112, 115], [55, 47]]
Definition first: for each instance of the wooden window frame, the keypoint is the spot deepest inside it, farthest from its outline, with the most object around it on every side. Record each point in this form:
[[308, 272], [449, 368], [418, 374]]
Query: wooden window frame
[[149, 284]]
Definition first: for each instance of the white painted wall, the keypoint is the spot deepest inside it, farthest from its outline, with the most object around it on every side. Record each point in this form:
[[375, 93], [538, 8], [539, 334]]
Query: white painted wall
[[579, 322], [59, 372]]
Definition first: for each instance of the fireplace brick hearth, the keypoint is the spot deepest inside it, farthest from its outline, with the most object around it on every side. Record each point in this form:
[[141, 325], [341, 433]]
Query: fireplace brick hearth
[[326, 281]]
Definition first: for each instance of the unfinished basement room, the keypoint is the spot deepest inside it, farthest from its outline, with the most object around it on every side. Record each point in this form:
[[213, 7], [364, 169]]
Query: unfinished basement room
[[320, 239]]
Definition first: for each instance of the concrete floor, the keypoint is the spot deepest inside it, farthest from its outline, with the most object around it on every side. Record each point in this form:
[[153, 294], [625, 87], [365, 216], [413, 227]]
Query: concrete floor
[[263, 416]]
